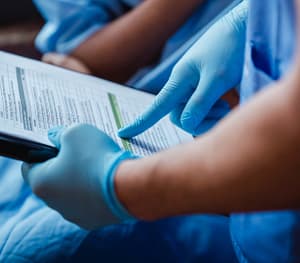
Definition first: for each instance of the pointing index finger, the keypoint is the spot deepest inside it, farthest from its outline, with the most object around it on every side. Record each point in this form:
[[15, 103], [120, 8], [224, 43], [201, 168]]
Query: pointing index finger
[[161, 106], [178, 88]]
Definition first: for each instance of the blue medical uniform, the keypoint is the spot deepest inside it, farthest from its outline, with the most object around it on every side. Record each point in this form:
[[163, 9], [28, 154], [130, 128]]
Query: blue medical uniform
[[273, 236]]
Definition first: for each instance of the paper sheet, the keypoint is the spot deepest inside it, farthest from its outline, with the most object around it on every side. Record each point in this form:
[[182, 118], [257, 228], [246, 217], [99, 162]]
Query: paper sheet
[[35, 97]]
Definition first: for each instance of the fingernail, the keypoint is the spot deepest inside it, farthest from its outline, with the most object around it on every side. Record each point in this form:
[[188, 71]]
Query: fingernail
[[120, 132]]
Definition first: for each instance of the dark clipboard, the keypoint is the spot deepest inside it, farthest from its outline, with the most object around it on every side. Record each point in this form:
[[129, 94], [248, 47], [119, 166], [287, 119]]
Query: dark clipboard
[[25, 150]]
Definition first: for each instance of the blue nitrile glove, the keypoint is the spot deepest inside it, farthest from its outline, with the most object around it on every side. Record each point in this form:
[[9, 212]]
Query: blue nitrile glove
[[69, 23], [79, 182], [206, 72]]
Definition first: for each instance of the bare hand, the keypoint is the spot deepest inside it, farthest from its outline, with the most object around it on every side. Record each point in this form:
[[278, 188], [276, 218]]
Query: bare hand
[[66, 61]]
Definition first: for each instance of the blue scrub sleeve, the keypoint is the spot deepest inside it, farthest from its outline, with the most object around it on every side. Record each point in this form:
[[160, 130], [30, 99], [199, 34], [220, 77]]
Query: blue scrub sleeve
[[69, 23], [199, 238], [270, 237]]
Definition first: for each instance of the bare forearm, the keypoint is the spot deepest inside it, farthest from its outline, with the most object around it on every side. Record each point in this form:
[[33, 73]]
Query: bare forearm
[[134, 40], [249, 162]]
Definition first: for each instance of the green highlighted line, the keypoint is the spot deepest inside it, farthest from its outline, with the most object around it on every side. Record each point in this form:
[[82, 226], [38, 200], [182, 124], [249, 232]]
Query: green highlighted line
[[118, 119]]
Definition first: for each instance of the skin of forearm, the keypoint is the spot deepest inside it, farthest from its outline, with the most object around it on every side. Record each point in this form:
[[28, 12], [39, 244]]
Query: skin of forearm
[[250, 161], [134, 40]]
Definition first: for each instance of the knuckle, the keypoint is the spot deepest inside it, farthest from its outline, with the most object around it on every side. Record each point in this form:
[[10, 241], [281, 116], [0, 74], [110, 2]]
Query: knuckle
[[192, 70], [76, 132], [172, 83]]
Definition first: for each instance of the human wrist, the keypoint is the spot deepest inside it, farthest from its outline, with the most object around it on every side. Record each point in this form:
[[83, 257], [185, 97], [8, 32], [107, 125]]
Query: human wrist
[[108, 188], [124, 184], [132, 186]]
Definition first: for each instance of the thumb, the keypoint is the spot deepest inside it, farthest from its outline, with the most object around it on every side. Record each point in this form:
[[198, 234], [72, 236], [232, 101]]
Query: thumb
[[39, 177], [54, 135]]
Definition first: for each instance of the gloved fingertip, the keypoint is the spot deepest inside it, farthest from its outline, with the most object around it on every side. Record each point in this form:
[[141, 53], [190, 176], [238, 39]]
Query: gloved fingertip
[[54, 131], [125, 132], [189, 122], [54, 135]]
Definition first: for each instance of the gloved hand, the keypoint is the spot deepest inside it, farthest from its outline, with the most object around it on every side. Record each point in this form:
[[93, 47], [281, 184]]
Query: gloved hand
[[206, 72], [79, 182]]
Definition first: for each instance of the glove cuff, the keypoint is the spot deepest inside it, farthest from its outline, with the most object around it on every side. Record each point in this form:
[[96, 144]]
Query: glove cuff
[[110, 195]]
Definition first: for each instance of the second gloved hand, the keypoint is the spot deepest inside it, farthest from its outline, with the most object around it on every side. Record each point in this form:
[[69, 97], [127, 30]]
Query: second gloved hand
[[206, 72], [79, 182]]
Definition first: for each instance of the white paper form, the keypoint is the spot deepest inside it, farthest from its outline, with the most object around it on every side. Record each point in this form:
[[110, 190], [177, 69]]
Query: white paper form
[[35, 97]]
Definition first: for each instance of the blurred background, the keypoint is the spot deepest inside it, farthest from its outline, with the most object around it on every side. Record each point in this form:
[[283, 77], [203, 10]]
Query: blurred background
[[19, 24]]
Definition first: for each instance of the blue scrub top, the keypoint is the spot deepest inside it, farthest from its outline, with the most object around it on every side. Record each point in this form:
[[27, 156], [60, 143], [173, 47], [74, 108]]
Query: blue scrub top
[[273, 236], [270, 44]]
